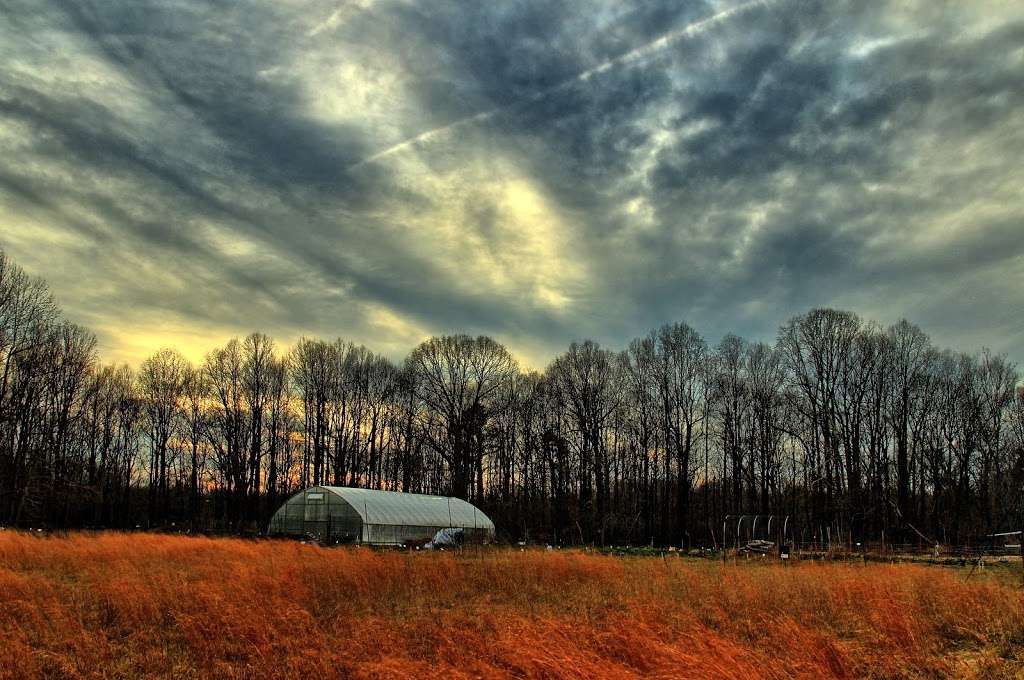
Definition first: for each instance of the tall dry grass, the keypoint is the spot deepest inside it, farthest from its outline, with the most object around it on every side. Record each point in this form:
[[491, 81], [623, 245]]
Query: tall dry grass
[[138, 605]]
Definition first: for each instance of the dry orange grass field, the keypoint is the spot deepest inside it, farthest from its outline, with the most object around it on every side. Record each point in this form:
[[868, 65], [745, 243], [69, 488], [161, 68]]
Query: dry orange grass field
[[127, 606]]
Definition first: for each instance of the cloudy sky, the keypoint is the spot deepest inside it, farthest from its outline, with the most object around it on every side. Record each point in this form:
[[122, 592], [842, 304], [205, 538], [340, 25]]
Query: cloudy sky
[[541, 171]]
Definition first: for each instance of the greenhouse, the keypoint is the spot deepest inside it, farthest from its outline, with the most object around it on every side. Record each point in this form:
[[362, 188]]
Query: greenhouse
[[339, 514]]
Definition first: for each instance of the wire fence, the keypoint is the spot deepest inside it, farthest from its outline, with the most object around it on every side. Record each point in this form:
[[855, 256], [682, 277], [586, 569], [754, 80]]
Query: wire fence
[[779, 535]]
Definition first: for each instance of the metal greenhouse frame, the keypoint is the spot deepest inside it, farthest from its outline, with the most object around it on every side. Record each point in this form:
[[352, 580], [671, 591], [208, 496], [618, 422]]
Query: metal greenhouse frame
[[338, 514], [757, 533]]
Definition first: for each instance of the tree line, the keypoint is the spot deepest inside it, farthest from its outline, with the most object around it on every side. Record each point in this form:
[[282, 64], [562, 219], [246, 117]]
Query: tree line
[[843, 425]]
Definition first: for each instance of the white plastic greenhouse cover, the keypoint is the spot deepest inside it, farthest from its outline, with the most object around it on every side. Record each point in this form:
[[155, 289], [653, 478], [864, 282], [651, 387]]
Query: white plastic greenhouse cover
[[411, 509]]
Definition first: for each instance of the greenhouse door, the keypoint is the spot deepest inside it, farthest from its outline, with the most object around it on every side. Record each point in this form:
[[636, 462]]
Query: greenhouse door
[[315, 518]]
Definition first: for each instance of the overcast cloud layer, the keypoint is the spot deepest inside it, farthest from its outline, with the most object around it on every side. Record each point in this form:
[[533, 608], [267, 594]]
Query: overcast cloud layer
[[181, 172]]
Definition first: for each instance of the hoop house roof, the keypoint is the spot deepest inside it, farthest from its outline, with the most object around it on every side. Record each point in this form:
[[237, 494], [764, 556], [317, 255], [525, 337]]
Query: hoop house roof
[[411, 509]]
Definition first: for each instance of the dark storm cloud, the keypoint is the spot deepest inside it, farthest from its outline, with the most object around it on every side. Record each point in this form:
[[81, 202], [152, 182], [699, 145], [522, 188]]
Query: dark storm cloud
[[540, 171], [208, 61]]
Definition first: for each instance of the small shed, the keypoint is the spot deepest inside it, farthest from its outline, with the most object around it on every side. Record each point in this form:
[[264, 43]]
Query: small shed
[[340, 514]]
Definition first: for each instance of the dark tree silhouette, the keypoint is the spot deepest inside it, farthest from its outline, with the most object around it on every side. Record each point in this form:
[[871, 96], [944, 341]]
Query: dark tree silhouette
[[851, 429]]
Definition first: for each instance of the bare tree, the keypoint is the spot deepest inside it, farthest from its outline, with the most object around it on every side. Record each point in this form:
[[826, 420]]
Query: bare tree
[[195, 395], [587, 382], [457, 378], [161, 388], [229, 428], [310, 367]]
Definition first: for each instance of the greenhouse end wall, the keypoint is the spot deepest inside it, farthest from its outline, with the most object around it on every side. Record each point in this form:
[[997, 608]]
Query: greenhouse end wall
[[318, 514]]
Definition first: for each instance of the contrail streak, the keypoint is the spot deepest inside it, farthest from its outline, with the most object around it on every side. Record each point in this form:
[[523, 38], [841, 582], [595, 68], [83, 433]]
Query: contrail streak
[[627, 58]]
